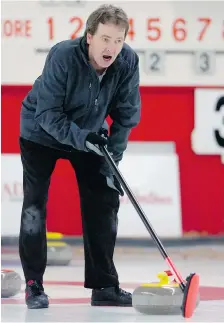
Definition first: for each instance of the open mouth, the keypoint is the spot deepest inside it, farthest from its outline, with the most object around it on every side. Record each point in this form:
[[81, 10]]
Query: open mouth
[[107, 58]]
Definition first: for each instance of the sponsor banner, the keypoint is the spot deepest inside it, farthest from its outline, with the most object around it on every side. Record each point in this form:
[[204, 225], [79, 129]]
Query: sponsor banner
[[176, 46], [154, 180], [208, 133]]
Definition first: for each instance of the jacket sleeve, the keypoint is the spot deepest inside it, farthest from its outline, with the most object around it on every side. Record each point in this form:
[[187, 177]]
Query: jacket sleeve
[[125, 113], [50, 99]]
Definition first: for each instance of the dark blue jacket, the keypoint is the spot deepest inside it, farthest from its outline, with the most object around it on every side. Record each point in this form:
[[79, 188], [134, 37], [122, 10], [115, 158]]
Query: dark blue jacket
[[67, 101]]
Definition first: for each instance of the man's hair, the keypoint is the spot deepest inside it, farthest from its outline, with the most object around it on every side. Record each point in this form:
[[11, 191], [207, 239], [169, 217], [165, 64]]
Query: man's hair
[[106, 14]]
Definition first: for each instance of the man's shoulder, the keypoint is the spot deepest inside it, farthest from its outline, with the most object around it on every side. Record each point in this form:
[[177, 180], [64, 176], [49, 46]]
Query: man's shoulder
[[129, 56], [65, 48]]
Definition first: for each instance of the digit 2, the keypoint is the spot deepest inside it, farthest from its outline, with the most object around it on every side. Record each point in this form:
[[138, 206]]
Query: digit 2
[[78, 28]]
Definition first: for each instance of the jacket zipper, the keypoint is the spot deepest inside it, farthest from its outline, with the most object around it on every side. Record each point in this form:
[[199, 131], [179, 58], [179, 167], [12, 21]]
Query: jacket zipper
[[96, 107], [96, 104]]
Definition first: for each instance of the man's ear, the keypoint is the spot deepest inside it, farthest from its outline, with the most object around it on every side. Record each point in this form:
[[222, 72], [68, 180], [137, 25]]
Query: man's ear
[[89, 38]]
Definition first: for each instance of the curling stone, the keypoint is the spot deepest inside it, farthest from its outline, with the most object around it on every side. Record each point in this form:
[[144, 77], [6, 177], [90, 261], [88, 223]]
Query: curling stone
[[59, 253], [159, 298], [10, 283]]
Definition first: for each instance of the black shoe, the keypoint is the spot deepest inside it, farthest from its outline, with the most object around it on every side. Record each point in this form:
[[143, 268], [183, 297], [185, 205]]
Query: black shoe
[[35, 296], [111, 296]]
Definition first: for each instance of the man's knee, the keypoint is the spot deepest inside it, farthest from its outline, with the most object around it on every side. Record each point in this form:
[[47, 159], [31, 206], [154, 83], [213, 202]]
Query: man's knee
[[114, 224], [33, 219]]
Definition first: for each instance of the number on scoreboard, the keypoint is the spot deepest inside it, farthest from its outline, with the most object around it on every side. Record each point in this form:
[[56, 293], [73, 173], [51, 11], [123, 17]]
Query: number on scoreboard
[[155, 62], [205, 62]]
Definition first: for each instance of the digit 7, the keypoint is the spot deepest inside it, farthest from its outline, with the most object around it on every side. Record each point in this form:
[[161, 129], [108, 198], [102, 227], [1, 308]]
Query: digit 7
[[206, 22], [223, 29]]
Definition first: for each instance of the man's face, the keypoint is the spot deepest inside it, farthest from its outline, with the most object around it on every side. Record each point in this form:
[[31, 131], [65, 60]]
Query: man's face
[[105, 45]]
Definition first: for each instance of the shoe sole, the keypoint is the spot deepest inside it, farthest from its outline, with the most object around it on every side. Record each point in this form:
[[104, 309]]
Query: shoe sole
[[35, 307], [106, 303]]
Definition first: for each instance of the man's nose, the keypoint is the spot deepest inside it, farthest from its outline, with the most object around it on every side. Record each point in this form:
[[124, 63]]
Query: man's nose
[[110, 49]]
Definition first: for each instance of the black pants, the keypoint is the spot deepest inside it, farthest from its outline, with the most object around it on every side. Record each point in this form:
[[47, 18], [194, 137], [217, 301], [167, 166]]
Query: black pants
[[99, 208]]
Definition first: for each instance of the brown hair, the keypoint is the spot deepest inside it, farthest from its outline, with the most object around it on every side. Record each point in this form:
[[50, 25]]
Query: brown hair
[[106, 14]]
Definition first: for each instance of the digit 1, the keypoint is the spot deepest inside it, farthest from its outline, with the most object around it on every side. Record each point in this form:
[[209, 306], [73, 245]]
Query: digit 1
[[50, 22]]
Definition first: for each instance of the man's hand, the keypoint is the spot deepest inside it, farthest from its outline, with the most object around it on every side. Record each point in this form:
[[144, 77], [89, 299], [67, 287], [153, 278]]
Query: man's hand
[[94, 141]]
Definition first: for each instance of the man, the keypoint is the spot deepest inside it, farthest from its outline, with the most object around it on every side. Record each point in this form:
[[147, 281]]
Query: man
[[63, 116]]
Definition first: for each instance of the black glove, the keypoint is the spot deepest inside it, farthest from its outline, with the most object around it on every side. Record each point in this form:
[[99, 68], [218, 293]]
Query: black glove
[[94, 141], [103, 132]]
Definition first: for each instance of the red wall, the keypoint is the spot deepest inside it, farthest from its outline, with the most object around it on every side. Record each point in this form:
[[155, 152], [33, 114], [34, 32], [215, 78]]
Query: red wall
[[167, 115]]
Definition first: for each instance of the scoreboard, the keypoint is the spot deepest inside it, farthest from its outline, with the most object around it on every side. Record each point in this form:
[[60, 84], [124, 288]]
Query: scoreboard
[[179, 43]]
